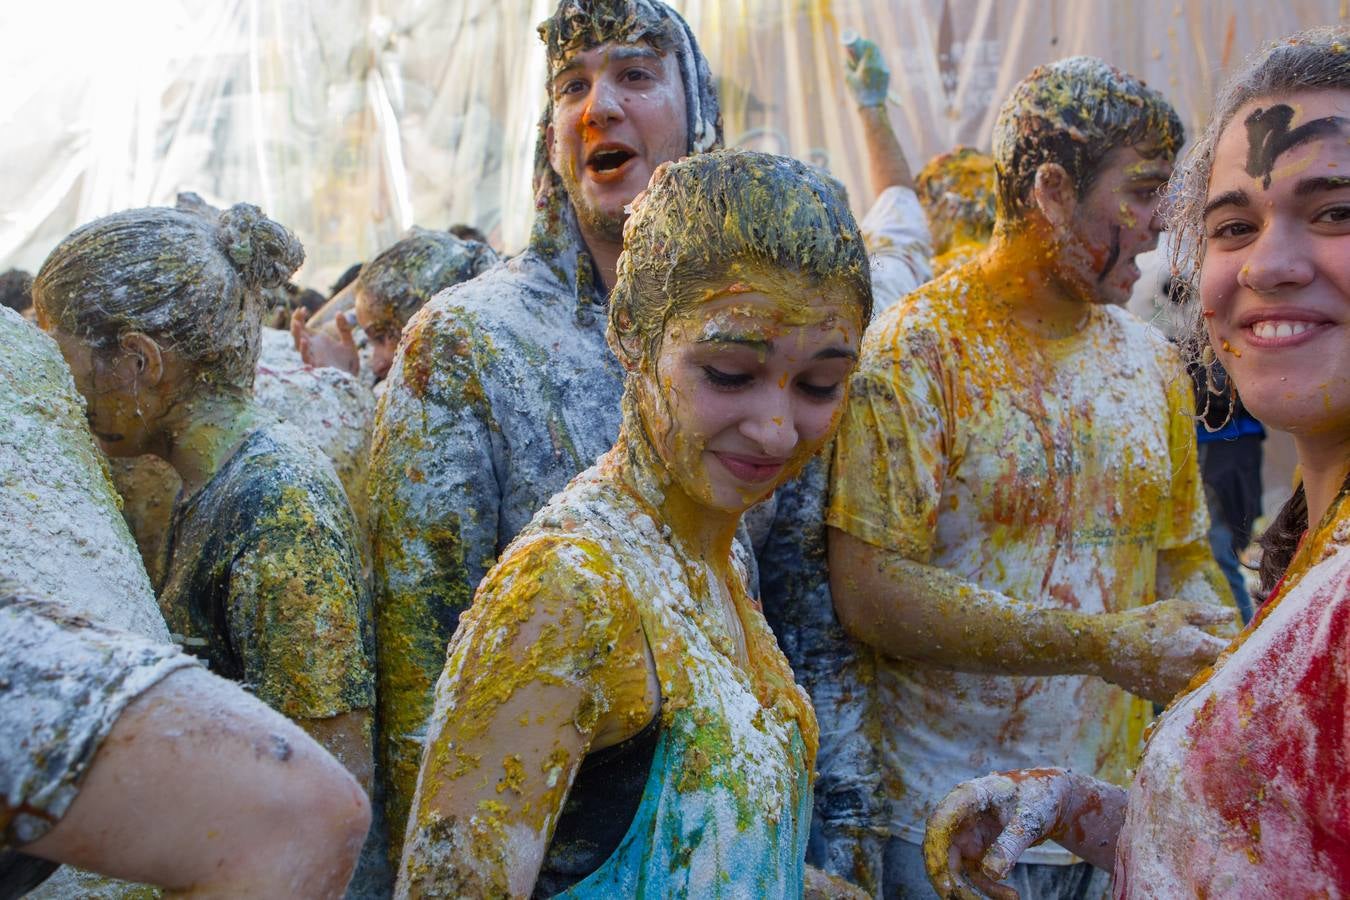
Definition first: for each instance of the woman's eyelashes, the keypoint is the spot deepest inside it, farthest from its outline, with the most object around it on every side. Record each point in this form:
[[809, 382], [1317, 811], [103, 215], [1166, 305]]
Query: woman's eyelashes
[[727, 381], [734, 381]]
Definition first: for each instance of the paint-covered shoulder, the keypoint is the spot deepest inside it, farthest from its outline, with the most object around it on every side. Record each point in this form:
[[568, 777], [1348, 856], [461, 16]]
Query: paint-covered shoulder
[[1144, 340], [920, 327], [288, 482]]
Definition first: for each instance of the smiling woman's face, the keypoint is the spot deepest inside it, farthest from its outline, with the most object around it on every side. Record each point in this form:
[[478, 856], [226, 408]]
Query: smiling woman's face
[[1275, 283], [748, 387]]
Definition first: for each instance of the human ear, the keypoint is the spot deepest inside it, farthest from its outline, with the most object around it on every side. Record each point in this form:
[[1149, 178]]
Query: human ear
[[146, 356], [1054, 194], [549, 145]]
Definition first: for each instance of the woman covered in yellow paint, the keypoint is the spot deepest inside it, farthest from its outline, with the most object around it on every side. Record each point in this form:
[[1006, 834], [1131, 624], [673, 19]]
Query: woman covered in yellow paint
[[158, 313], [614, 716]]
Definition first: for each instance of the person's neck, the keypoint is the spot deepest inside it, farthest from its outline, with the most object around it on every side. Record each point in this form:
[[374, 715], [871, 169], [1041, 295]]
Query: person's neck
[[1018, 269], [201, 434], [1324, 463], [605, 254], [699, 530]]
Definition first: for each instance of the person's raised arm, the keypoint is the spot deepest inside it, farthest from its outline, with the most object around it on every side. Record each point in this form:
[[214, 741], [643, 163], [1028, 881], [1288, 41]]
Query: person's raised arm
[[869, 80], [978, 832], [434, 504], [550, 664], [318, 348]]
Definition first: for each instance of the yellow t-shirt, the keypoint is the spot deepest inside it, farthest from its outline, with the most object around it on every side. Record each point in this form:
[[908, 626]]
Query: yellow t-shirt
[[1050, 471]]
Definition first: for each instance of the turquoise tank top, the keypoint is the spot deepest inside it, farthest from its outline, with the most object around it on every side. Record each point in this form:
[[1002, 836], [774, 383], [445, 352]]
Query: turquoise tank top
[[725, 811]]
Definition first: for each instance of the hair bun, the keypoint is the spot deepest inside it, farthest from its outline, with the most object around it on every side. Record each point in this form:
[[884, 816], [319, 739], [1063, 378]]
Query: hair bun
[[263, 252]]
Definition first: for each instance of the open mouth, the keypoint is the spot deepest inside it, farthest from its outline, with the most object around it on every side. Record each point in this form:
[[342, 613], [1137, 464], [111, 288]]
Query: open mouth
[[609, 160]]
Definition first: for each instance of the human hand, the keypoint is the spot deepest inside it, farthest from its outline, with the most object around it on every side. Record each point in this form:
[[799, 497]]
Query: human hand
[[868, 77], [318, 349], [978, 832], [1154, 651], [821, 885]]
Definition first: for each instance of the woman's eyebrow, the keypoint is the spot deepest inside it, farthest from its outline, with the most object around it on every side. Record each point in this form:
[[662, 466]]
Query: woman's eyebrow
[[836, 353], [1317, 185], [1228, 198], [723, 337]]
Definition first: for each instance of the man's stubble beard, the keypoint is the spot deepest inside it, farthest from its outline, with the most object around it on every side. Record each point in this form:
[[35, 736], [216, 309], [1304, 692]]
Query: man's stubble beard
[[593, 221]]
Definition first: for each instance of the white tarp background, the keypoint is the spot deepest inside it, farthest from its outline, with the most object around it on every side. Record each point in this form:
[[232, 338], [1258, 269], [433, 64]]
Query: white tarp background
[[349, 120]]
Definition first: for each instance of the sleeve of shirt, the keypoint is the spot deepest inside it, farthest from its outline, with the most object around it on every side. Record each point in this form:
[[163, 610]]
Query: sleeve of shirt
[[434, 501], [891, 455], [898, 244], [295, 614], [63, 684]]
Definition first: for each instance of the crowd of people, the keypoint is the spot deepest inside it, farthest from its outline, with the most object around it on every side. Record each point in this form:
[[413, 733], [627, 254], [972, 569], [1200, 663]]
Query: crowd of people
[[717, 544]]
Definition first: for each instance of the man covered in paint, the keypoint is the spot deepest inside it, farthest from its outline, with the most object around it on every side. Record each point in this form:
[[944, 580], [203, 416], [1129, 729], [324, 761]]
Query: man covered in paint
[[1017, 522], [504, 388]]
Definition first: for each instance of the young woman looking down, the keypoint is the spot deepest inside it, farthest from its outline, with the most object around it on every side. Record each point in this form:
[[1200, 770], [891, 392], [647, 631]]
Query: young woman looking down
[[614, 716]]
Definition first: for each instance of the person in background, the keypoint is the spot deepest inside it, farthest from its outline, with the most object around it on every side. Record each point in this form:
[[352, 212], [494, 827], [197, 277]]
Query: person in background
[[389, 290], [16, 291], [957, 190], [1243, 787], [1229, 439], [263, 576]]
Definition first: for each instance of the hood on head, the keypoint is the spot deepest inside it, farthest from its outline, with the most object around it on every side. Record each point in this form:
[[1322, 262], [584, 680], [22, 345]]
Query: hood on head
[[578, 25]]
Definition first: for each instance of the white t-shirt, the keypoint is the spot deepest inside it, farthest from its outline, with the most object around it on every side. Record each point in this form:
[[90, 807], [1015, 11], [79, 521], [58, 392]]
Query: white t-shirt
[[1049, 471]]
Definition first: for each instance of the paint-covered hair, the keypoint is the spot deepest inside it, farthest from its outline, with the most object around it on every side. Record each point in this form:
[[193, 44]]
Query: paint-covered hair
[[193, 282], [1314, 60], [580, 25], [400, 281], [1074, 112], [956, 189], [704, 215]]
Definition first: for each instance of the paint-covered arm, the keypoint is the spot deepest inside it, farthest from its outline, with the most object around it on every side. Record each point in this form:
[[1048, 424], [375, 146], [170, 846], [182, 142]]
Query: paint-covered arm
[[908, 609], [434, 501], [869, 80], [297, 617], [549, 664], [891, 462], [979, 830]]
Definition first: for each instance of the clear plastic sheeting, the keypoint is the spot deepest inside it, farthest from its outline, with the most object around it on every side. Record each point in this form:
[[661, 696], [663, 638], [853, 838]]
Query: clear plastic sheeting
[[349, 120]]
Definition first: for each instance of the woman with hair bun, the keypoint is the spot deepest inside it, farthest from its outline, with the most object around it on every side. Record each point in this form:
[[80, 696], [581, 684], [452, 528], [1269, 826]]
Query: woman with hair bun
[[158, 313]]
